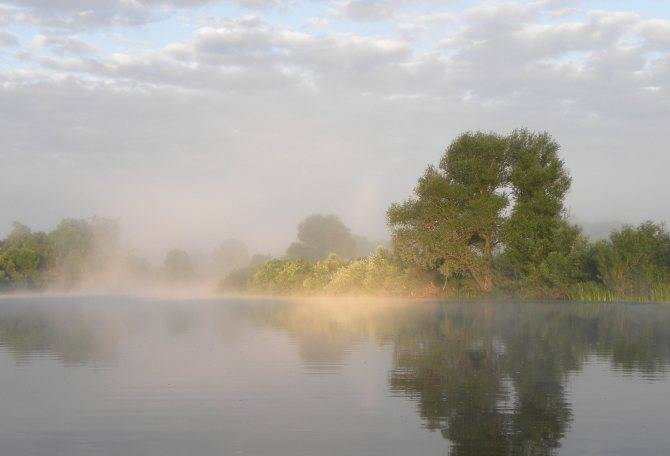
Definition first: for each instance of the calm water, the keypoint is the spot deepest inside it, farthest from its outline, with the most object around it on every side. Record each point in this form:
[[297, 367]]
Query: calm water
[[124, 376]]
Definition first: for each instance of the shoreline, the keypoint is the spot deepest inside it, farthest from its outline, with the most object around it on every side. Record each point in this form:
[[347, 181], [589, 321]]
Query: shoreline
[[208, 296]]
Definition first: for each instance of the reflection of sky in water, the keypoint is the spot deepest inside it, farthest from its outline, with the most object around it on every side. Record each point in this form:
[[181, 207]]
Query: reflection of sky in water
[[105, 376]]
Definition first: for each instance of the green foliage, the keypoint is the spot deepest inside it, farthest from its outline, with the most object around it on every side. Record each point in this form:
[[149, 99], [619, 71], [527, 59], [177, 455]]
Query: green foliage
[[552, 275], [634, 262], [540, 246], [319, 236], [493, 212], [25, 258], [458, 218], [591, 291], [322, 273], [72, 240], [83, 247], [489, 219], [239, 279], [380, 273], [281, 276], [30, 260]]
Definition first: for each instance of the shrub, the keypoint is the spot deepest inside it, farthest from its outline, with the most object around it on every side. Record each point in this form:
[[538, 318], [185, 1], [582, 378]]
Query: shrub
[[281, 276], [634, 260]]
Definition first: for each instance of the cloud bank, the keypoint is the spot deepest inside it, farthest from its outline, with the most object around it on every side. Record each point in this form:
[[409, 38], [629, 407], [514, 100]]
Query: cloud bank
[[193, 121]]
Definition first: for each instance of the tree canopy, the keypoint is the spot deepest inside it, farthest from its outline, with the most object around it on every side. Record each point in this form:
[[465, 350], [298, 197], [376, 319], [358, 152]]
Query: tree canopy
[[490, 193], [320, 235]]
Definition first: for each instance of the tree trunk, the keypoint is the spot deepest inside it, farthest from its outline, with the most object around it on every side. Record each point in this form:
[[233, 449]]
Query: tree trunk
[[487, 279], [482, 271], [484, 280], [487, 282]]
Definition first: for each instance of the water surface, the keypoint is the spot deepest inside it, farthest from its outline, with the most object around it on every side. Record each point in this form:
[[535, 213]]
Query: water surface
[[126, 376]]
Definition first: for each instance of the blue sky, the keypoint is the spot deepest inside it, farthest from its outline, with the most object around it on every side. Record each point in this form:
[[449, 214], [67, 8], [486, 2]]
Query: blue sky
[[171, 24]]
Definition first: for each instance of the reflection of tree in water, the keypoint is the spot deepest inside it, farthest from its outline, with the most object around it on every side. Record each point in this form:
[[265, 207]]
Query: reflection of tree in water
[[179, 320], [490, 377], [77, 331], [72, 335], [323, 333], [486, 396]]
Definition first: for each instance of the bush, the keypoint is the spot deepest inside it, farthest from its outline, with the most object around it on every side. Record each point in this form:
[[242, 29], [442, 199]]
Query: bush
[[322, 273], [378, 274], [281, 276], [634, 261]]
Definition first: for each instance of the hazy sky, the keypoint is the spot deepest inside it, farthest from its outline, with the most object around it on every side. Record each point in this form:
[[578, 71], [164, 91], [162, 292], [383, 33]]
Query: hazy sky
[[193, 120]]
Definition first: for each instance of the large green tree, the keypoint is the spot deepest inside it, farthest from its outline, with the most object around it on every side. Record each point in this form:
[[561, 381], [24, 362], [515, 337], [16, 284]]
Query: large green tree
[[542, 250], [490, 194], [452, 223]]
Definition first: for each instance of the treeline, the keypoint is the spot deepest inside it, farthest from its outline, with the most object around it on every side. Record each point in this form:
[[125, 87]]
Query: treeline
[[489, 220], [87, 253], [34, 260]]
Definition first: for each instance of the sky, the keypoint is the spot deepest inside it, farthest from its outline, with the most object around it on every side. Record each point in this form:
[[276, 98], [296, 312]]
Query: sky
[[193, 121]]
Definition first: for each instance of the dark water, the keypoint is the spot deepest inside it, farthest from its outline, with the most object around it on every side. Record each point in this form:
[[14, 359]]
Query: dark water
[[122, 376]]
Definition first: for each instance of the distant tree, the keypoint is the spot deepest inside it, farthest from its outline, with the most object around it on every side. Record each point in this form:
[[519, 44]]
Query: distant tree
[[232, 254], [72, 240], [178, 266], [20, 234], [83, 247], [105, 234], [320, 235], [236, 280], [364, 246]]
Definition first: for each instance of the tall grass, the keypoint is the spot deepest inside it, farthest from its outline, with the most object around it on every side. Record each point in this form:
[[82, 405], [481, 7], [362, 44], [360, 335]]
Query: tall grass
[[591, 291]]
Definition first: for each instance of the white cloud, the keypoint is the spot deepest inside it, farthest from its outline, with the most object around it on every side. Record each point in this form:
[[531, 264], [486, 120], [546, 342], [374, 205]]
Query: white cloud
[[656, 32], [8, 39], [93, 14], [63, 45], [366, 10], [318, 22]]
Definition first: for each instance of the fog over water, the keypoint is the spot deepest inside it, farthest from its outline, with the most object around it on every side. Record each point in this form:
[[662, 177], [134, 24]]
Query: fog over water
[[194, 121], [117, 375]]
